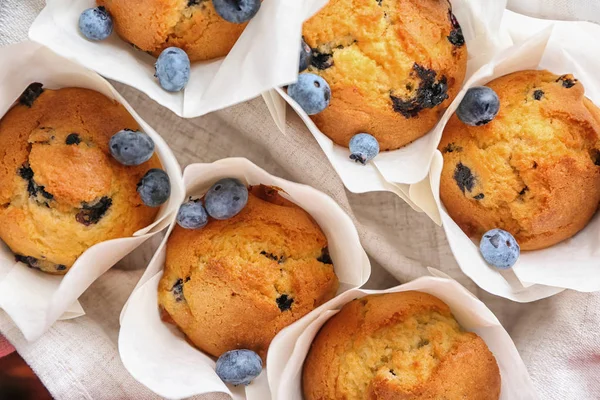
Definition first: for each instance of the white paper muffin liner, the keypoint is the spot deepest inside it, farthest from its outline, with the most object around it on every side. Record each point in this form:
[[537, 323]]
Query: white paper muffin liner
[[35, 300], [157, 354], [290, 347], [560, 47], [265, 56], [396, 170]]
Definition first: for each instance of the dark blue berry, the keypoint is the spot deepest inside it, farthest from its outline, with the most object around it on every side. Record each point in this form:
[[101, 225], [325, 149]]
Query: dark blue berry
[[173, 69], [479, 106], [305, 55], [464, 177], [499, 248], [239, 367], [154, 188], [226, 198], [236, 11], [284, 302], [96, 23], [30, 94], [363, 148], [325, 258], [73, 139], [192, 215], [429, 94], [131, 147], [311, 92], [91, 213]]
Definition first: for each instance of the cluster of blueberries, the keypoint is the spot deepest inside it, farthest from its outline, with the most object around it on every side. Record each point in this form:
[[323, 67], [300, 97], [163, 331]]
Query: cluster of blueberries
[[173, 64], [224, 200], [132, 148]]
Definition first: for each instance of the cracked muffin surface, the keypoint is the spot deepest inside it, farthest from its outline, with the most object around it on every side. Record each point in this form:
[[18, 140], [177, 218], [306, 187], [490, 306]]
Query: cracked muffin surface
[[533, 171], [192, 25], [404, 345], [236, 283], [61, 191], [393, 67]]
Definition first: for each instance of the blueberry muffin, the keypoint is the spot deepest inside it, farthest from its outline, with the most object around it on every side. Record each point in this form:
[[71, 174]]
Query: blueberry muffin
[[236, 283], [533, 171], [398, 346], [393, 67], [192, 25], [61, 191]]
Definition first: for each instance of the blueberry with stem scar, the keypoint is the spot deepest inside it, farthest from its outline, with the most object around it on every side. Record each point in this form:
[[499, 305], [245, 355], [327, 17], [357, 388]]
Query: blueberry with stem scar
[[479, 106], [130, 147], [239, 367], [192, 215], [226, 198], [96, 23], [499, 248], [363, 148], [154, 188], [173, 69], [311, 92]]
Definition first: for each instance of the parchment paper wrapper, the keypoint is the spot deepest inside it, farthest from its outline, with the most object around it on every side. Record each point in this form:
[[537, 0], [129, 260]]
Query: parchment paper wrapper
[[290, 347], [157, 354], [265, 56], [33, 299], [561, 47], [394, 171]]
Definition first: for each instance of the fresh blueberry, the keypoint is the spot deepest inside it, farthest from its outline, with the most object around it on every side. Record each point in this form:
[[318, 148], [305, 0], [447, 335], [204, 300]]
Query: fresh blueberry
[[131, 147], [305, 55], [95, 23], [363, 148], [239, 367], [499, 248], [236, 11], [479, 106], [154, 188], [173, 69], [192, 215], [226, 198], [311, 92]]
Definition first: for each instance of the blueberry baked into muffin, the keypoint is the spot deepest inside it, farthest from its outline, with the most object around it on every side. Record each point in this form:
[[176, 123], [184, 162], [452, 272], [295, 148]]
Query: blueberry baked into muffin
[[403, 345], [393, 66], [192, 25], [236, 281], [534, 170], [61, 191]]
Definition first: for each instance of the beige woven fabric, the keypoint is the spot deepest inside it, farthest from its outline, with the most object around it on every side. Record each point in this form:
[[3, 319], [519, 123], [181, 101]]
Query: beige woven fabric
[[558, 338]]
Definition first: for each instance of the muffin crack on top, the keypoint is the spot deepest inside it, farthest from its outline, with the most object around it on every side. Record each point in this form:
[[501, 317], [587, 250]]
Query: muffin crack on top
[[392, 66], [398, 345], [533, 170]]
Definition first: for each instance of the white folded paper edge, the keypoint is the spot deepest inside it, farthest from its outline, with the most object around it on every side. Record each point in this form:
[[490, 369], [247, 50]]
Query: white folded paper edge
[[265, 56], [561, 47], [157, 354], [290, 347], [35, 300], [480, 21]]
